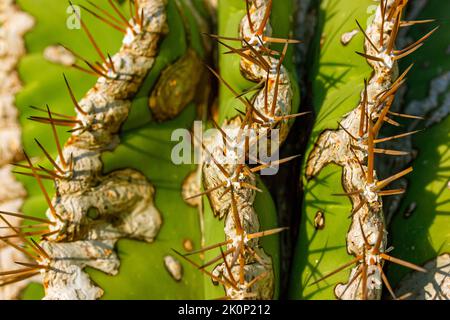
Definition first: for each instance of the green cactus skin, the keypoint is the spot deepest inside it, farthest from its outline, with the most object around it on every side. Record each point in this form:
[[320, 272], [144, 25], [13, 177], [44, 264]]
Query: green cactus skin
[[424, 234], [337, 77], [144, 144]]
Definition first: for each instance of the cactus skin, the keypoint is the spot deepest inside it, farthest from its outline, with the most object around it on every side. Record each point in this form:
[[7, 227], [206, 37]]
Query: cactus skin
[[420, 235], [142, 146]]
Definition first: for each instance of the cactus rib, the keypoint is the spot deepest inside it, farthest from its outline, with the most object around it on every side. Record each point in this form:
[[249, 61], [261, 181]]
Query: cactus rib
[[352, 146], [123, 199]]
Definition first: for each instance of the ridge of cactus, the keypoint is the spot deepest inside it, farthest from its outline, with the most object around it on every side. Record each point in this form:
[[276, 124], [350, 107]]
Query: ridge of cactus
[[353, 146], [131, 272], [243, 268]]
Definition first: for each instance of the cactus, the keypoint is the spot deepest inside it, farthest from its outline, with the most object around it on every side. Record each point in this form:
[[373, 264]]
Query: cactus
[[246, 270], [132, 153], [109, 214], [321, 244]]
